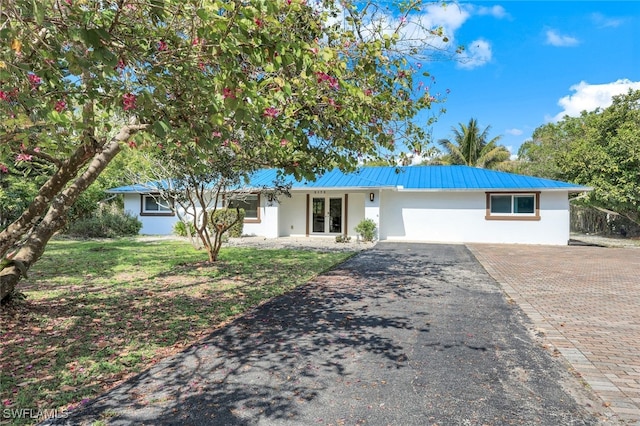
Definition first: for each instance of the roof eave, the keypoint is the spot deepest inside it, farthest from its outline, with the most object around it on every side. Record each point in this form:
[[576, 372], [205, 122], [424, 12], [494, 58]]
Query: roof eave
[[571, 189]]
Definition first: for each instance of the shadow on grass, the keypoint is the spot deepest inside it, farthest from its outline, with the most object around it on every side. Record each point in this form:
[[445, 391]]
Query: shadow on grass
[[127, 306], [276, 359]]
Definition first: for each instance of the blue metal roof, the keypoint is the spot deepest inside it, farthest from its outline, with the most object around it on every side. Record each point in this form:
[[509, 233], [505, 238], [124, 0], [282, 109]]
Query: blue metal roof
[[416, 178]]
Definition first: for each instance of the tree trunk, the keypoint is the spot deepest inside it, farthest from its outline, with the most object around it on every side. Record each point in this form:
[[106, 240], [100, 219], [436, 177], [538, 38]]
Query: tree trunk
[[67, 172], [34, 246]]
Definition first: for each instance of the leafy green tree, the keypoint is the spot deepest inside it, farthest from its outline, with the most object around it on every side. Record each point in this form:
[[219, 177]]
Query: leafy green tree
[[540, 155], [600, 149], [281, 83], [470, 147]]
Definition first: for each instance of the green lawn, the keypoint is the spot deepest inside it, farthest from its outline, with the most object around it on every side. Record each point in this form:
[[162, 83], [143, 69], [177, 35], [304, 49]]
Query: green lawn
[[99, 311]]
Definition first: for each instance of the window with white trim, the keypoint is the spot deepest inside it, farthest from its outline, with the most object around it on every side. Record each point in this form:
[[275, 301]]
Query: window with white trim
[[251, 205], [513, 206], [153, 204]]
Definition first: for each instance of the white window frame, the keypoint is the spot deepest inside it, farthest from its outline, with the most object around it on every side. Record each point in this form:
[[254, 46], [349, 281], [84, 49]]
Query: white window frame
[[513, 215], [163, 210]]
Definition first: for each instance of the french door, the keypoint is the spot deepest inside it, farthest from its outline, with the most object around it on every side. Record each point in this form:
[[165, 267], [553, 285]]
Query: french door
[[326, 215]]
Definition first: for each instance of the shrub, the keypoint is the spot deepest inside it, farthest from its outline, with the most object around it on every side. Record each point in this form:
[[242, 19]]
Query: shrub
[[343, 238], [367, 229], [108, 221], [180, 229], [224, 217]]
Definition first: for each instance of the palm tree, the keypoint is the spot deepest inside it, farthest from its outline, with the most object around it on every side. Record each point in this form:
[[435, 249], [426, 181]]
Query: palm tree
[[471, 148]]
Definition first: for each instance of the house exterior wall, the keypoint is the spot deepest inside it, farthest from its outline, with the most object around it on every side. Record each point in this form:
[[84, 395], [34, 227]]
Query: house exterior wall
[[293, 213], [268, 225], [460, 217], [151, 225], [401, 215], [163, 224], [356, 211]]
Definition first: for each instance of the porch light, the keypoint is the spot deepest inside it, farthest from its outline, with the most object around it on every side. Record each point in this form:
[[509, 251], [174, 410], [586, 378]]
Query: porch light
[[372, 196]]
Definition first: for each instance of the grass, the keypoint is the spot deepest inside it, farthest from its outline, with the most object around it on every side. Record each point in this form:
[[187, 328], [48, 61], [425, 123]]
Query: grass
[[97, 312]]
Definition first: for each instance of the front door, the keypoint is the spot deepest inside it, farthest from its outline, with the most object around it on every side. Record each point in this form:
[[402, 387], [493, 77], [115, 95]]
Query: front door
[[326, 215]]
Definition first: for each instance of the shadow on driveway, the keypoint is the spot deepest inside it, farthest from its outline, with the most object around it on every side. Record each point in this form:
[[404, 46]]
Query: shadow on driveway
[[402, 334]]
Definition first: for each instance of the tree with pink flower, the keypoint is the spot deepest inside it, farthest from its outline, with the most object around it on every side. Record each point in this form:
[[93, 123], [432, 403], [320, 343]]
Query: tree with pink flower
[[80, 83]]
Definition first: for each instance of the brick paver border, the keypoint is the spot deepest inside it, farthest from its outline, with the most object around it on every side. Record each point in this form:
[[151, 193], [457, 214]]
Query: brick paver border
[[586, 301]]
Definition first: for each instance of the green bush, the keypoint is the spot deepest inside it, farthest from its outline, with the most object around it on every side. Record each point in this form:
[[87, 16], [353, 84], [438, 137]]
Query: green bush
[[180, 228], [367, 229], [343, 238], [106, 222], [224, 217]]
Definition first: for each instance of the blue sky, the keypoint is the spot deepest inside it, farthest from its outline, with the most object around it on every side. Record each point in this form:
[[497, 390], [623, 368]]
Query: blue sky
[[531, 62]]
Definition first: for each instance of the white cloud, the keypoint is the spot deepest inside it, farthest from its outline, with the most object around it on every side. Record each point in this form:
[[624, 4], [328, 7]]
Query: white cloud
[[602, 21], [434, 16], [514, 132], [419, 26], [559, 40], [477, 54], [588, 97], [497, 12]]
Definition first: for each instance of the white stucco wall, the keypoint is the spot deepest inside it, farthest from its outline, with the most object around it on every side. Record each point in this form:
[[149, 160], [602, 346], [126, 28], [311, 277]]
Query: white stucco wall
[[292, 215], [163, 225], [403, 216], [356, 211], [268, 225], [460, 217], [151, 225]]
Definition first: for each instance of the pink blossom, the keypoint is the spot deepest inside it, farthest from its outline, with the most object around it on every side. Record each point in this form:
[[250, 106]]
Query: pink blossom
[[368, 92], [129, 101], [259, 22], [4, 96], [24, 157], [284, 142], [3, 168], [36, 149], [162, 45], [216, 134], [403, 20], [34, 80], [69, 2], [228, 93], [202, 66], [271, 112], [121, 64], [332, 81], [60, 106], [195, 41], [314, 50], [6, 402], [132, 144]]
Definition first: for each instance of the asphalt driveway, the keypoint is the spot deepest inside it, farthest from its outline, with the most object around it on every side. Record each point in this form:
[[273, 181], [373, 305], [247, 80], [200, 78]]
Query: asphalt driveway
[[401, 334]]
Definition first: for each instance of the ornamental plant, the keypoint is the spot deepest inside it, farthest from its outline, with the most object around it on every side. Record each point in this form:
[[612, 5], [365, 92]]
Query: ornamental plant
[[367, 229], [80, 80]]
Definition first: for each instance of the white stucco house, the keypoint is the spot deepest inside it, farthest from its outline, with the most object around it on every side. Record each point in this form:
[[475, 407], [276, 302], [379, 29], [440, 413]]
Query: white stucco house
[[421, 203]]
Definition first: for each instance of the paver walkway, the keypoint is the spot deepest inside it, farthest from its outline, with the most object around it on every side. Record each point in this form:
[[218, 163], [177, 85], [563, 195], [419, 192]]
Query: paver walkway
[[586, 301]]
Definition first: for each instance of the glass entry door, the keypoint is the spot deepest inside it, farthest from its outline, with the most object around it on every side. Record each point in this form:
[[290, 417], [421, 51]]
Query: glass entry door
[[326, 215]]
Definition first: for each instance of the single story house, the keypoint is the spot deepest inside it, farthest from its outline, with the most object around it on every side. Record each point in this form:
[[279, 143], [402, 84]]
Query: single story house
[[417, 203]]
